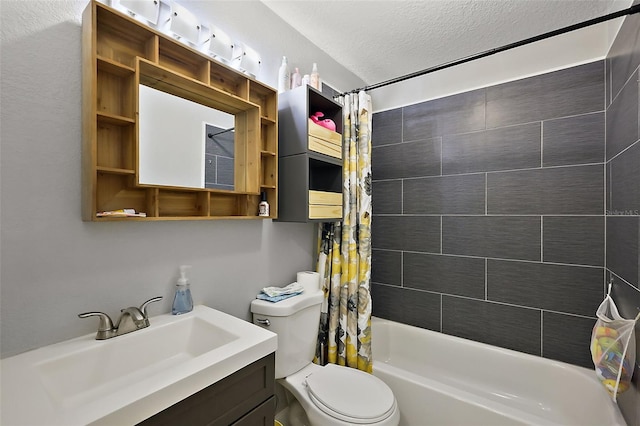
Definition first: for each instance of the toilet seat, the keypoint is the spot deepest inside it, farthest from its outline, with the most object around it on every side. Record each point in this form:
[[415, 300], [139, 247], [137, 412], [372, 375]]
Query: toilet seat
[[350, 395]]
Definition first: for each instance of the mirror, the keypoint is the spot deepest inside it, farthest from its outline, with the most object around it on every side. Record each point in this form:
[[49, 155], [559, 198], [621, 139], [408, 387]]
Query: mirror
[[183, 143]]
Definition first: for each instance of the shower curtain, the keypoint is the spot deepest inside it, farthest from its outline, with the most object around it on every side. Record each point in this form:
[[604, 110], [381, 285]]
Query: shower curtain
[[344, 250]]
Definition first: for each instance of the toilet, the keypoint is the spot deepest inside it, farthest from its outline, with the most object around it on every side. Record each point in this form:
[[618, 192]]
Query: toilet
[[330, 395]]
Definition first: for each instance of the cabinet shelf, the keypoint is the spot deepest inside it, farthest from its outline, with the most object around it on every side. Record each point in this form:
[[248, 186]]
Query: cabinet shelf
[[120, 54], [114, 67], [118, 120], [115, 170]]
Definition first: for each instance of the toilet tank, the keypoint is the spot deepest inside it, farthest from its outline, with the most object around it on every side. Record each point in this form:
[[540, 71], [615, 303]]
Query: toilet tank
[[295, 321]]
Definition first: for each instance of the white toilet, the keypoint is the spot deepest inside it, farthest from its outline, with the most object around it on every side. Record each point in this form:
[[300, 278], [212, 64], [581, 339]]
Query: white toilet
[[331, 395]]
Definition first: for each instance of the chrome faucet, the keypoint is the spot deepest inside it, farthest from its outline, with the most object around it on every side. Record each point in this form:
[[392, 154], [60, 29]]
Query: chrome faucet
[[131, 319]]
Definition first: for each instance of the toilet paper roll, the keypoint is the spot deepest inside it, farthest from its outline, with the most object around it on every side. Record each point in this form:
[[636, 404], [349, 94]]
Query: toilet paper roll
[[309, 280]]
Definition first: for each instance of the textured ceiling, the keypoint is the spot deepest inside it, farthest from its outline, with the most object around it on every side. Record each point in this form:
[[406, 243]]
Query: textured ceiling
[[394, 37]]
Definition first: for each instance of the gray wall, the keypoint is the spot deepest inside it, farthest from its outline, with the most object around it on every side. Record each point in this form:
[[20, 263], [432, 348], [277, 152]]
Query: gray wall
[[623, 187], [53, 265]]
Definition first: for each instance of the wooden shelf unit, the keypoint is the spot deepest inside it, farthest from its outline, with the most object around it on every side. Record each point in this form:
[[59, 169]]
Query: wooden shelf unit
[[120, 53]]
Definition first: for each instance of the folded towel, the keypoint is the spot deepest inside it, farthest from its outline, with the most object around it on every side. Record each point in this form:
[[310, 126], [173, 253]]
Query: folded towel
[[276, 294], [275, 299], [293, 288]]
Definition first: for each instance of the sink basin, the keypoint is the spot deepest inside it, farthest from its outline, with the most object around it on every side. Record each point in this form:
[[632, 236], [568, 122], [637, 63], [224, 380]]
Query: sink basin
[[128, 378]]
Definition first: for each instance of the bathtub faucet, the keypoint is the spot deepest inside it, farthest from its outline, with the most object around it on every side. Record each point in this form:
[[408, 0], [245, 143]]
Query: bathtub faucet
[[131, 319]]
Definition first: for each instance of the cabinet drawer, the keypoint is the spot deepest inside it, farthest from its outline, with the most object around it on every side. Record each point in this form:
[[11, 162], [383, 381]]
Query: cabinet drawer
[[325, 198], [323, 204], [262, 415], [324, 212], [223, 402], [324, 141], [325, 147], [324, 133]]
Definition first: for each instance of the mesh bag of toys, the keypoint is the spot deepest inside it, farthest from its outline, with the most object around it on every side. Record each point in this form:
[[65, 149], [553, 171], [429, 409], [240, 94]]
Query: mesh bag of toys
[[613, 347]]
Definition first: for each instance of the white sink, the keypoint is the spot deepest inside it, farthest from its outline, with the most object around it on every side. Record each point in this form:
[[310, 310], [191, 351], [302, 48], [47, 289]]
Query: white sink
[[128, 378]]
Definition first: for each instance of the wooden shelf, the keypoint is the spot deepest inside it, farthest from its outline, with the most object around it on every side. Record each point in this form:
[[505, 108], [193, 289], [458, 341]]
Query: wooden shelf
[[119, 54], [114, 67], [118, 120], [115, 171]]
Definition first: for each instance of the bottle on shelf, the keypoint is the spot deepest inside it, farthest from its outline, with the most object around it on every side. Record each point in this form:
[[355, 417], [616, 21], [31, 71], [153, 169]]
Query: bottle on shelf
[[314, 78], [263, 207], [296, 78], [284, 76]]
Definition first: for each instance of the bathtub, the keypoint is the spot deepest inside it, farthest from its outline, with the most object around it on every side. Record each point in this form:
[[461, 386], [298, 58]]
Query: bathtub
[[443, 380]]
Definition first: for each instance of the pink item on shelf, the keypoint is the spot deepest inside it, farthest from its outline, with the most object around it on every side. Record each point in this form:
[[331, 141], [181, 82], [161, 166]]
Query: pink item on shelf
[[324, 122]]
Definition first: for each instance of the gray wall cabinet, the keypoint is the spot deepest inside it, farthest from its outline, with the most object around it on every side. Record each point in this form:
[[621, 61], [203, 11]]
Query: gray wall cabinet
[[310, 158]]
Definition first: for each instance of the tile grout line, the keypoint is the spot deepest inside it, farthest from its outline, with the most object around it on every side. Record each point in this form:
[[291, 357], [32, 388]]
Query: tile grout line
[[486, 194], [402, 269], [496, 302], [486, 279], [441, 309], [562, 166], [542, 144], [487, 129], [441, 232], [541, 332], [500, 259], [621, 152], [541, 238]]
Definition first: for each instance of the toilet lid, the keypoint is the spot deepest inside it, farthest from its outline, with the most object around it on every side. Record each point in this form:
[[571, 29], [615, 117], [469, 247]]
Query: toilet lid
[[350, 395]]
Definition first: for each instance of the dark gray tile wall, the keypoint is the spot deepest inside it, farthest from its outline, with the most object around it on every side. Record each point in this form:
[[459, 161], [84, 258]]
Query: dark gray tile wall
[[515, 147], [511, 327], [574, 190], [506, 237], [219, 158], [489, 212], [461, 194], [573, 240], [573, 140], [564, 93], [623, 188], [622, 118]]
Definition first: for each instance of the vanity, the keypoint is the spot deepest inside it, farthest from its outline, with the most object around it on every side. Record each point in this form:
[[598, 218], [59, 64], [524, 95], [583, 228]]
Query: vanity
[[203, 367]]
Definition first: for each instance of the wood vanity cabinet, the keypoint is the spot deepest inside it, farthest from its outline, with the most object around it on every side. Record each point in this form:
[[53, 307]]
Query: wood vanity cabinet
[[245, 398], [119, 54], [310, 158]]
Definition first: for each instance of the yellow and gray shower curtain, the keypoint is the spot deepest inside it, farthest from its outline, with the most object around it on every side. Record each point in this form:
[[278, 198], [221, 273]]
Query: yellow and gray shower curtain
[[344, 260]]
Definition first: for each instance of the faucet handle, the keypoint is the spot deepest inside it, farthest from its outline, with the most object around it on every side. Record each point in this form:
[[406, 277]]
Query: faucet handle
[[143, 307], [106, 325], [105, 321]]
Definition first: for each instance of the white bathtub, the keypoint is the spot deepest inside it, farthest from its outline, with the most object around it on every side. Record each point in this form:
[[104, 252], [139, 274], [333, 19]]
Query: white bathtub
[[444, 380]]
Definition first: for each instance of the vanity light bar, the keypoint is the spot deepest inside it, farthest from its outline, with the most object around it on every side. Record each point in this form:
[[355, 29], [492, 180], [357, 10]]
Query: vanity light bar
[[173, 19], [246, 59], [145, 11], [218, 44]]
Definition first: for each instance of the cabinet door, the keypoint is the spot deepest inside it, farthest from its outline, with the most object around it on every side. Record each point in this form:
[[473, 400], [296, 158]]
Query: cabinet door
[[223, 402], [262, 415]]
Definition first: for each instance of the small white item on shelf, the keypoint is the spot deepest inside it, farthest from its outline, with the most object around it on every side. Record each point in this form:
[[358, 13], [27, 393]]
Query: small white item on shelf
[[121, 213]]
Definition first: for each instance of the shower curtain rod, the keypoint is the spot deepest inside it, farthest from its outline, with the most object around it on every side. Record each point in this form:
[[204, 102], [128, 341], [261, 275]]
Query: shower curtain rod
[[604, 18]]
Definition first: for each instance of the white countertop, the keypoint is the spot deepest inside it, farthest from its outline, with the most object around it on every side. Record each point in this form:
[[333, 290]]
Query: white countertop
[[39, 386]]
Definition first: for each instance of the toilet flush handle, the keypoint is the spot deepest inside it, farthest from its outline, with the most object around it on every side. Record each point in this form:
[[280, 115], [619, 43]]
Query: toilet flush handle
[[264, 322]]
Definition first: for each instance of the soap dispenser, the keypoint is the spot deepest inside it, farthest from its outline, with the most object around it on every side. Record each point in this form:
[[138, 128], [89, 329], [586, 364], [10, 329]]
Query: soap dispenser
[[182, 302]]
